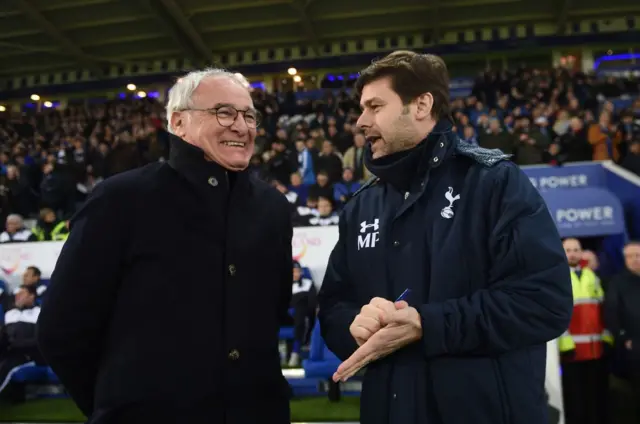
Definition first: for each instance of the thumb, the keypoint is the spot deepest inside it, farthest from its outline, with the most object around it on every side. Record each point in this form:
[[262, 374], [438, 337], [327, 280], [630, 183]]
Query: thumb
[[401, 304]]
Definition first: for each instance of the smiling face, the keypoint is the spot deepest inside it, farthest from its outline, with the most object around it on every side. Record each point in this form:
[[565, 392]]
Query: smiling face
[[224, 140], [389, 125]]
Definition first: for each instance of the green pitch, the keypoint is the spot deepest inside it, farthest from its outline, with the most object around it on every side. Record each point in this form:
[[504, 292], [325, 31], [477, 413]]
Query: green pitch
[[64, 410]]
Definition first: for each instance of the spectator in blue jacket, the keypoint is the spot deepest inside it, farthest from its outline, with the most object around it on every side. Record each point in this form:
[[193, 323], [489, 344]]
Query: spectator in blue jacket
[[466, 233], [344, 189]]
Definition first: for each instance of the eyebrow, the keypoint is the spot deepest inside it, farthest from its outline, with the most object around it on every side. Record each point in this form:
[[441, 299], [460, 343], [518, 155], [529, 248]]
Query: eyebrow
[[219, 105], [368, 102]]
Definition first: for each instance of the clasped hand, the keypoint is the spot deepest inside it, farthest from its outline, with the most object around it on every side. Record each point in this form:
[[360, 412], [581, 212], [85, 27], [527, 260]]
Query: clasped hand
[[381, 328]]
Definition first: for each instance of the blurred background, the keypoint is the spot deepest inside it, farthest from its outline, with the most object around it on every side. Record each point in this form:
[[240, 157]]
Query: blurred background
[[82, 90]]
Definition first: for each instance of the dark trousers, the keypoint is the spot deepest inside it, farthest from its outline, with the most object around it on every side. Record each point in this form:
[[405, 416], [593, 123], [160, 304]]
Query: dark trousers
[[10, 362], [585, 391], [301, 323]]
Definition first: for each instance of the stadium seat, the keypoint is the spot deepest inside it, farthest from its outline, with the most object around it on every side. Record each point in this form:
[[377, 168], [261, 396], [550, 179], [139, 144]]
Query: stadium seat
[[286, 333], [35, 374], [322, 363]]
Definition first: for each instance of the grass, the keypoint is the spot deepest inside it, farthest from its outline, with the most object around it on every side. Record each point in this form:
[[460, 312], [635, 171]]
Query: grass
[[312, 409], [64, 410]]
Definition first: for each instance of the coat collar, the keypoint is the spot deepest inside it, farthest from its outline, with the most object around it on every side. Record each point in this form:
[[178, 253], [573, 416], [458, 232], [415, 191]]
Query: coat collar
[[188, 160], [402, 169]]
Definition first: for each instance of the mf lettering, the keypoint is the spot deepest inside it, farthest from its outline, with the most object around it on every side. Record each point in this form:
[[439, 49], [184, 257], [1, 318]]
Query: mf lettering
[[594, 213], [567, 181], [369, 234]]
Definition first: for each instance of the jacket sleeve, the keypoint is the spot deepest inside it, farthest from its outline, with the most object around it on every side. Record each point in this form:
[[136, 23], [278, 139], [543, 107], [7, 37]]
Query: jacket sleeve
[[286, 266], [612, 310], [336, 301], [528, 298], [82, 293]]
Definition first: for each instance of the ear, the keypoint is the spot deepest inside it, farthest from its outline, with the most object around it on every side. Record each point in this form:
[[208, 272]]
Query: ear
[[177, 123], [424, 105]]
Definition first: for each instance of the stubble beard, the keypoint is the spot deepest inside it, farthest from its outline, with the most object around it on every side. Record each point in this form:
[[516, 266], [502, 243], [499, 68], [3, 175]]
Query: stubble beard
[[403, 134]]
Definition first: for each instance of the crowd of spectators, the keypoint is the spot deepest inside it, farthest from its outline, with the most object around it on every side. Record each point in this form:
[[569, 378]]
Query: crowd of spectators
[[310, 150]]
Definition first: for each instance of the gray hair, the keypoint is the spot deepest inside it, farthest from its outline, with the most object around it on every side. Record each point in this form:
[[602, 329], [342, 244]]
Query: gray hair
[[182, 91], [15, 217]]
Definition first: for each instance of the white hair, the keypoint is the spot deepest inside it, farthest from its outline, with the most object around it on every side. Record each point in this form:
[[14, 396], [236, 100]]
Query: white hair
[[182, 91], [15, 217]]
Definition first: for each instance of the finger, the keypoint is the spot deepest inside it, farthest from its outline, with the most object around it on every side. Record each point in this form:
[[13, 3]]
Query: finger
[[358, 360], [354, 362], [369, 311], [401, 305], [384, 305], [400, 317], [376, 313], [371, 324], [361, 333]]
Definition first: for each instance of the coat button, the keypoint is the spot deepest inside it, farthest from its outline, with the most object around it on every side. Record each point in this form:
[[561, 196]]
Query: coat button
[[396, 243], [395, 396], [406, 195], [234, 355], [435, 160], [232, 270], [213, 181]]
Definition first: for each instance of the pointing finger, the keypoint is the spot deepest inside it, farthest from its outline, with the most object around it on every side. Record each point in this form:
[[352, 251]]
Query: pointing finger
[[358, 360]]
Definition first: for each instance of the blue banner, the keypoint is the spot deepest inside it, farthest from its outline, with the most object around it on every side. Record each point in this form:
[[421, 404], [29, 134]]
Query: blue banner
[[585, 212], [586, 175]]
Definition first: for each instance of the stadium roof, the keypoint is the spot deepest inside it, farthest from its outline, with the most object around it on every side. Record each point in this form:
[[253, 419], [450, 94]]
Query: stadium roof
[[49, 35]]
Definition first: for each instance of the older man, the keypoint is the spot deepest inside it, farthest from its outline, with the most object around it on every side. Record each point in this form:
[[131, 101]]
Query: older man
[[145, 324], [15, 232]]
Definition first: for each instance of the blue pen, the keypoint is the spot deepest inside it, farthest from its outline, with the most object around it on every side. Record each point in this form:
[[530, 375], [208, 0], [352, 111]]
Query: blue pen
[[404, 295]]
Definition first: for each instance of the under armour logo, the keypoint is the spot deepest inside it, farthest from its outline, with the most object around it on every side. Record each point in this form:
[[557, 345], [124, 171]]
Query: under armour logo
[[364, 226], [447, 211], [371, 238]]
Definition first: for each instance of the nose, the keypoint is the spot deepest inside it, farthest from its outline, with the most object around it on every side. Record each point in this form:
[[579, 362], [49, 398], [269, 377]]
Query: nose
[[239, 125], [363, 121]]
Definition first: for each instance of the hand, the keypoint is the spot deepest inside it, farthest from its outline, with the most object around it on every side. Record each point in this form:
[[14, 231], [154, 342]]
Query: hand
[[372, 318], [628, 344], [403, 328]]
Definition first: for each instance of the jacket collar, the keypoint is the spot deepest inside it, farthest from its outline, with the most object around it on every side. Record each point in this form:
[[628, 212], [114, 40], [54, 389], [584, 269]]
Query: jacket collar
[[189, 161], [402, 169]]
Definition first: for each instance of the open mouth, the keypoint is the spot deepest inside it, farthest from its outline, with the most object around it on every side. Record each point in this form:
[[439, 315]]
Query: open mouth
[[238, 144], [372, 139]]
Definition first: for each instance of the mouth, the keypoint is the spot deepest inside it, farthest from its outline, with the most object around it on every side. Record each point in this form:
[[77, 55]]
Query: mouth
[[373, 138], [235, 144]]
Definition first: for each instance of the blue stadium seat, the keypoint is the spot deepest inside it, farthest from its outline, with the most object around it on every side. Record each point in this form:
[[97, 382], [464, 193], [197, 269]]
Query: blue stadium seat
[[322, 363], [35, 374], [286, 333]]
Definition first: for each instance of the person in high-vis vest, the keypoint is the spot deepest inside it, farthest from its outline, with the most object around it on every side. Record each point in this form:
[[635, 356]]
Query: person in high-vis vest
[[583, 346], [49, 228]]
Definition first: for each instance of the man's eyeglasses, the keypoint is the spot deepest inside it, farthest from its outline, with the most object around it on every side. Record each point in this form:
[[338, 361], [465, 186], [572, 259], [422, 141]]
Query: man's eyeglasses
[[227, 115]]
